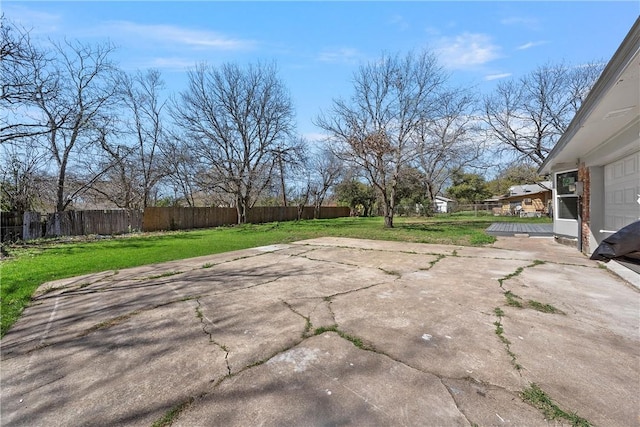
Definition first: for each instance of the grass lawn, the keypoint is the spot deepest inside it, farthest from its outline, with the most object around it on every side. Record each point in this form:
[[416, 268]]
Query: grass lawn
[[32, 264]]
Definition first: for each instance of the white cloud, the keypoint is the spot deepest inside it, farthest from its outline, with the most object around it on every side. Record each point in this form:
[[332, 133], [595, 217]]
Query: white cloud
[[176, 35], [36, 22], [400, 22], [497, 76], [161, 63], [467, 50], [314, 137], [530, 23], [340, 55], [531, 44]]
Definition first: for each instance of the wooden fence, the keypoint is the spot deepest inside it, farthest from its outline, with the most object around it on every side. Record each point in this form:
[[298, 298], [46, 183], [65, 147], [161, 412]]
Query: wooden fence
[[82, 223], [33, 225], [170, 218], [10, 226]]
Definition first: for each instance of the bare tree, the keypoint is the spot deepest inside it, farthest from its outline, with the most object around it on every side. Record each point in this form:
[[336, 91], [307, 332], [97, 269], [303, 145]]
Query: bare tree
[[22, 178], [449, 141], [24, 77], [64, 102], [527, 116], [137, 165], [75, 115], [289, 159], [235, 119], [180, 166], [326, 171], [375, 129]]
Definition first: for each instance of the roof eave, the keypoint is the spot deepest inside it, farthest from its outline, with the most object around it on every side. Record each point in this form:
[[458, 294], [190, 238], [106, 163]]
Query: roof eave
[[619, 61]]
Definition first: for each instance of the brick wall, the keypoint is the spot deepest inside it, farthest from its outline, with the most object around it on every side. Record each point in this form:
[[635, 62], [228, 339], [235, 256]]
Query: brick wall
[[585, 211]]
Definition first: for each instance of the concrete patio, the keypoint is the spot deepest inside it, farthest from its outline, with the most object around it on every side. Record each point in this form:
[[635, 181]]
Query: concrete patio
[[330, 331]]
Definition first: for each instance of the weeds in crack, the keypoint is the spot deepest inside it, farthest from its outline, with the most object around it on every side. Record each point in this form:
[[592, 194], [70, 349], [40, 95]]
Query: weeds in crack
[[307, 327], [510, 276], [307, 319], [519, 271], [166, 274], [439, 257], [122, 318], [109, 323], [207, 265], [545, 308], [173, 413], [507, 344], [512, 299], [535, 396], [351, 338], [390, 272]]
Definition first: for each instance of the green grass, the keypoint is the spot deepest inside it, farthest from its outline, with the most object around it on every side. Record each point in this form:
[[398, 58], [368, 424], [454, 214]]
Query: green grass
[[31, 265]]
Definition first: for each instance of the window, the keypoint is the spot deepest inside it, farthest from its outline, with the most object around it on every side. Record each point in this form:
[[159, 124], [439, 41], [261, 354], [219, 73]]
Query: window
[[566, 194], [566, 183], [527, 201]]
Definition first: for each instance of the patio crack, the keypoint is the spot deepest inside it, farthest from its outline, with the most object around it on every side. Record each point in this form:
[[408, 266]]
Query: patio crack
[[307, 319], [455, 402], [114, 321], [200, 315]]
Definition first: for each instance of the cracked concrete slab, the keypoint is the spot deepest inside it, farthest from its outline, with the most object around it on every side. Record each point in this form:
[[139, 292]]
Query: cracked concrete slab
[[326, 380], [330, 332]]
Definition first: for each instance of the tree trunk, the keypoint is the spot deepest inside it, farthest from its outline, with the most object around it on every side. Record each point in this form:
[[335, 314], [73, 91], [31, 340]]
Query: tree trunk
[[241, 208], [388, 212]]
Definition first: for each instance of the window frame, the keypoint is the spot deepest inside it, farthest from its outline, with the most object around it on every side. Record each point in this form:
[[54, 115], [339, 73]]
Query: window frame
[[566, 195]]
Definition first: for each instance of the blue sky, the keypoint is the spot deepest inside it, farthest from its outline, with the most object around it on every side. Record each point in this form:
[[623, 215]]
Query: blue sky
[[317, 45]]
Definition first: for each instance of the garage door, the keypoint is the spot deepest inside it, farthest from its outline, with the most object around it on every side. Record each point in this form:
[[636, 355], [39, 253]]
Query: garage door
[[622, 192]]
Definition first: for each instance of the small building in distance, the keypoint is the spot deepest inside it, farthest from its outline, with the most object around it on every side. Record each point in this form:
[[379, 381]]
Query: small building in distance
[[528, 200], [442, 204]]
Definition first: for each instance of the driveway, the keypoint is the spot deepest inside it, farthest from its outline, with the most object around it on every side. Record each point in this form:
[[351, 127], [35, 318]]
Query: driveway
[[331, 331]]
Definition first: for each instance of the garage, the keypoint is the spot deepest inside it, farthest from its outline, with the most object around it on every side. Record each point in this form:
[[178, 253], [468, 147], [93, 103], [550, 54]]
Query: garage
[[622, 192]]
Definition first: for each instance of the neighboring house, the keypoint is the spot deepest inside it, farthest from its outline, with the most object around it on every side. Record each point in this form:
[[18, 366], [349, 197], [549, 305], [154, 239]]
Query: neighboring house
[[527, 200], [595, 165], [443, 205]]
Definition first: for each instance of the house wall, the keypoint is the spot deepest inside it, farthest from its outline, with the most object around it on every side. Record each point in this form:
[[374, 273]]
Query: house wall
[[539, 203], [441, 206], [604, 208], [596, 209], [585, 207]]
